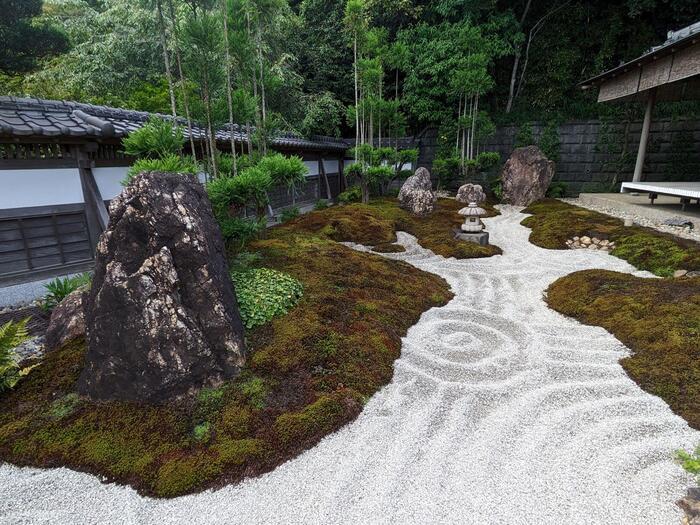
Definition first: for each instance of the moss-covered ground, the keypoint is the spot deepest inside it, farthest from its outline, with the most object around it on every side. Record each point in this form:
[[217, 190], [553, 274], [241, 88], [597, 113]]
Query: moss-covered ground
[[308, 372], [376, 224], [553, 222], [659, 319]]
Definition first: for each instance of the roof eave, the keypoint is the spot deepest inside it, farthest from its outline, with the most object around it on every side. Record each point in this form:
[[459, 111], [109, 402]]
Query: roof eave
[[640, 61]]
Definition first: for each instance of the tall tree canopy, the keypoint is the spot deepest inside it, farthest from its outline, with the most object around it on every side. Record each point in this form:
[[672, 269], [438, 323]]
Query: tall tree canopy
[[383, 65]]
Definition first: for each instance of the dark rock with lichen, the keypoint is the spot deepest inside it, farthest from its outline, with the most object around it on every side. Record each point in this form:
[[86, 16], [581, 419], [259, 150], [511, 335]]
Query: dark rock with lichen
[[691, 506], [526, 176], [67, 321], [416, 194], [162, 318]]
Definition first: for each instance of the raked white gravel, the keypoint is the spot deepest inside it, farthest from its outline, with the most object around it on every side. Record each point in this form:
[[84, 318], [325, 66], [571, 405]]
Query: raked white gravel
[[501, 411]]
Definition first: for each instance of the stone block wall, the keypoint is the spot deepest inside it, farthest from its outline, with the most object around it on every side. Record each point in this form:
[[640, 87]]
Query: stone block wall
[[597, 155]]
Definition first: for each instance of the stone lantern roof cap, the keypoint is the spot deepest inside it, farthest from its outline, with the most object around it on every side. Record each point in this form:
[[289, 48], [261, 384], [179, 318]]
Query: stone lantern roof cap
[[472, 210]]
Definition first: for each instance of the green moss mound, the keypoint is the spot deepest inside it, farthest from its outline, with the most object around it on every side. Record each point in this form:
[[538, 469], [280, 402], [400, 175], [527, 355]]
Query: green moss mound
[[553, 222], [308, 373], [388, 247], [659, 319], [376, 224]]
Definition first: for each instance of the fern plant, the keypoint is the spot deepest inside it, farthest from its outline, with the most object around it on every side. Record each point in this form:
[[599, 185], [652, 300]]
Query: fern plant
[[12, 334]]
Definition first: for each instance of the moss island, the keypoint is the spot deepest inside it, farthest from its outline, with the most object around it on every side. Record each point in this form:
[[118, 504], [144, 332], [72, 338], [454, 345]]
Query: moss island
[[308, 373]]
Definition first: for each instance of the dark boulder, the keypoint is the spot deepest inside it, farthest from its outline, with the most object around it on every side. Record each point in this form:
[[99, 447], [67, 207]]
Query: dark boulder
[[162, 318], [67, 321], [416, 194], [526, 176]]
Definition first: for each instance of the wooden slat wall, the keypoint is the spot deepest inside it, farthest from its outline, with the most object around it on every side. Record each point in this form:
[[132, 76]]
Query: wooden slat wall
[[28, 244]]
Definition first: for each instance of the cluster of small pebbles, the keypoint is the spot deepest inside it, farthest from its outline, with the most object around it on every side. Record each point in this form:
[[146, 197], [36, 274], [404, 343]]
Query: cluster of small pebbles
[[590, 243]]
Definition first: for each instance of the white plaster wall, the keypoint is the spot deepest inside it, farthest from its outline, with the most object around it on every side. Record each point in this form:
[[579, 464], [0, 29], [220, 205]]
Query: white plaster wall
[[331, 165], [39, 187], [109, 180], [313, 167]]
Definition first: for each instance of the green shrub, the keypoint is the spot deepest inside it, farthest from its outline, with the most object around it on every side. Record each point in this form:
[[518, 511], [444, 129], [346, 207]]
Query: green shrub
[[524, 137], [557, 190], [549, 141], [352, 194], [264, 293], [157, 139], [249, 187], [486, 160], [12, 334], [290, 213], [238, 232], [321, 204], [59, 289], [168, 164], [286, 171], [446, 170]]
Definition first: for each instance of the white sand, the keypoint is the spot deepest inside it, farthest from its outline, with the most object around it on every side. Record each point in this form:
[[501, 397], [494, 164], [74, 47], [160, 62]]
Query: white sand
[[501, 411]]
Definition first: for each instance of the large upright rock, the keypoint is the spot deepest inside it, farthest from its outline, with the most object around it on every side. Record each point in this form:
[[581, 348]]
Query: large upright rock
[[416, 194], [526, 176], [468, 193], [162, 318]]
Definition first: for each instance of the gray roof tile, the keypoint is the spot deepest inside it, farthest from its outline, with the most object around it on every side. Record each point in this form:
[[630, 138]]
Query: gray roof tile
[[38, 117]]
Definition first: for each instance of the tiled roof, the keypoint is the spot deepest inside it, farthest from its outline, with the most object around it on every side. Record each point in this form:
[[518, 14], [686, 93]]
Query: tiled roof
[[24, 117]]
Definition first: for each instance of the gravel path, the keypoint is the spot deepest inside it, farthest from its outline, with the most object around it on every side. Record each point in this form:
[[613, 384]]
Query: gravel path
[[501, 411]]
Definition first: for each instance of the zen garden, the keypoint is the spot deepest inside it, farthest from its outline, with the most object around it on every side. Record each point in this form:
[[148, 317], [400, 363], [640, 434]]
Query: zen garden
[[350, 261]]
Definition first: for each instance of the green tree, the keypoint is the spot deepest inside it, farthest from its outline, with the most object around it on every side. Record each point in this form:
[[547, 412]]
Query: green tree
[[202, 48], [25, 40]]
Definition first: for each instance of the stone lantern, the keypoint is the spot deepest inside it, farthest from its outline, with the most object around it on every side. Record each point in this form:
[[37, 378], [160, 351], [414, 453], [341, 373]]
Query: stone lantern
[[473, 229]]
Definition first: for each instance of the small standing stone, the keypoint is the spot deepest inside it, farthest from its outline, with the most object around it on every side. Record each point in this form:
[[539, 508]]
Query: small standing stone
[[470, 193], [416, 194], [680, 273]]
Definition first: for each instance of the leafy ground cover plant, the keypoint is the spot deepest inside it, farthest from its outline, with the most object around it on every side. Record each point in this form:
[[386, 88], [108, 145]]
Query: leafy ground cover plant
[[553, 222], [659, 319], [59, 288], [11, 335], [690, 462], [308, 373], [264, 293]]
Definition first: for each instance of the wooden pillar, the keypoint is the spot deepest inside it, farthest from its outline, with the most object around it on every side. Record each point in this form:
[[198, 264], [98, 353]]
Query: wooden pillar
[[95, 209], [342, 181], [322, 173], [644, 139]]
